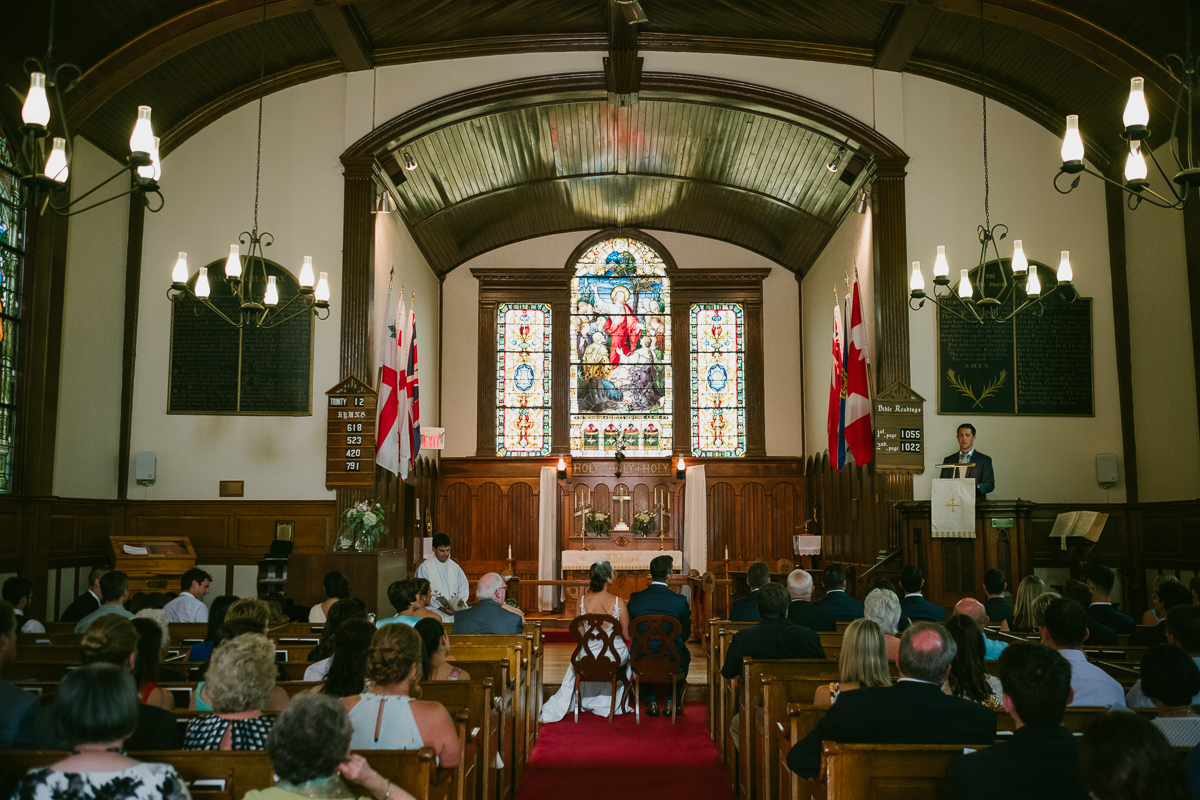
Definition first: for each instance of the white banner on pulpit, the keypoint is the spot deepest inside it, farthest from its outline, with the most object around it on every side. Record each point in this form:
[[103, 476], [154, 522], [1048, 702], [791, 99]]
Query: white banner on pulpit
[[952, 507]]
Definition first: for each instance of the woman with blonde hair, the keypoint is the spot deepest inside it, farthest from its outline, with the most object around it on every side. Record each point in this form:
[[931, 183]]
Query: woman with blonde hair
[[1038, 610], [1157, 611], [240, 678], [863, 662], [388, 717], [251, 608], [1030, 588]]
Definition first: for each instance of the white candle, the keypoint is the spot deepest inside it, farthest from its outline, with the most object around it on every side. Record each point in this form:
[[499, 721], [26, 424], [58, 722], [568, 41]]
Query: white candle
[[726, 553], [510, 551]]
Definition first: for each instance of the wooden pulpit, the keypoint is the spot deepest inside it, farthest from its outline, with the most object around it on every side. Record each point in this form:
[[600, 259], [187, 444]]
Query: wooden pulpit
[[954, 567]]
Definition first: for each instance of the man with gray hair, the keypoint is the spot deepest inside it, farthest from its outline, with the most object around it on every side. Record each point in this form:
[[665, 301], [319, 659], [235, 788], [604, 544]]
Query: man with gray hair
[[745, 609], [912, 711], [489, 614], [801, 610], [970, 607]]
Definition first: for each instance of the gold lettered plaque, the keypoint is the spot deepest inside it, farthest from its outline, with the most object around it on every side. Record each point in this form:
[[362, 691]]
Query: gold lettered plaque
[[350, 450], [900, 429]]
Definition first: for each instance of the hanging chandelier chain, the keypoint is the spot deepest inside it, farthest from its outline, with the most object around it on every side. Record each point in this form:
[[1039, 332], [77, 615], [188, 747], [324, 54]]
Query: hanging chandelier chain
[[50, 44], [987, 214], [262, 71]]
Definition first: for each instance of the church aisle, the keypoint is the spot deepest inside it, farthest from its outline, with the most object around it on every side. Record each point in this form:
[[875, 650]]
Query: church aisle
[[651, 761]]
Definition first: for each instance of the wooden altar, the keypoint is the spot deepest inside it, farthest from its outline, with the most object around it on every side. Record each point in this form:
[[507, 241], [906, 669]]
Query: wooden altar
[[954, 567]]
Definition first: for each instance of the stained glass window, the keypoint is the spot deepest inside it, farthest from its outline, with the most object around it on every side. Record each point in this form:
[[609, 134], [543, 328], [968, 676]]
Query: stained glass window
[[620, 379], [523, 379], [12, 255], [718, 344]]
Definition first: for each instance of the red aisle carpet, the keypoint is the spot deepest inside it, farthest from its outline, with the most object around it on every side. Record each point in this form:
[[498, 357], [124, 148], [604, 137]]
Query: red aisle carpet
[[651, 761]]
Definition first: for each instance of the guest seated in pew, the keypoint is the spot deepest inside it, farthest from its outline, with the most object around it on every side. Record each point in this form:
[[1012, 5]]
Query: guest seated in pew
[[403, 597], [1167, 597], [216, 618], [745, 609], [111, 640], [1040, 605], [775, 636], [1098, 633], [595, 696], [1029, 589], [1065, 630], [842, 606], [999, 608], [1041, 759], [236, 688], [232, 629], [424, 599], [1125, 757], [435, 667], [251, 608], [1101, 580], [914, 607], [189, 605], [801, 609], [114, 591], [863, 661], [1156, 614], [87, 602], [18, 592], [1183, 631], [337, 587], [967, 678], [882, 607], [96, 715], [18, 708], [346, 671], [490, 614], [156, 615], [309, 748], [351, 608], [970, 607], [913, 711], [1171, 679], [388, 717], [145, 667]]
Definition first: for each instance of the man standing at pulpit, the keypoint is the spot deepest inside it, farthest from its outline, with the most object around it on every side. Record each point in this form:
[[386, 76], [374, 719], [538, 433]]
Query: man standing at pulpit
[[981, 471], [447, 581]]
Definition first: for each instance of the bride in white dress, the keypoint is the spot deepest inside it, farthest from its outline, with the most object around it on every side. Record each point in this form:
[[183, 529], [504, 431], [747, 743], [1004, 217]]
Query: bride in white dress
[[597, 696]]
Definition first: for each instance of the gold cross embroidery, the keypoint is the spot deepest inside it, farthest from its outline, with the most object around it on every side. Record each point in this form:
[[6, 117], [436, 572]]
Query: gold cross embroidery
[[953, 505]]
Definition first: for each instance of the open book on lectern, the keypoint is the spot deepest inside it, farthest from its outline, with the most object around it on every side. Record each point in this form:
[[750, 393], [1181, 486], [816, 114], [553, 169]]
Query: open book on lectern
[[1088, 524]]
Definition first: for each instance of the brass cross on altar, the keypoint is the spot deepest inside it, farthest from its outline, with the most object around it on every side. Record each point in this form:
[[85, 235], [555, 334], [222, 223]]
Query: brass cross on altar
[[953, 504], [621, 501]]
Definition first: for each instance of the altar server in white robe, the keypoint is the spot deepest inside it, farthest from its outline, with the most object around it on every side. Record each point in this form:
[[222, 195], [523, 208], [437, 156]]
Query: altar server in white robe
[[448, 583]]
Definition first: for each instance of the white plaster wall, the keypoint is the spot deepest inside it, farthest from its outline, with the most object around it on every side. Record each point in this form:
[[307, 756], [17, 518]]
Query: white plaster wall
[[1164, 374], [89, 393]]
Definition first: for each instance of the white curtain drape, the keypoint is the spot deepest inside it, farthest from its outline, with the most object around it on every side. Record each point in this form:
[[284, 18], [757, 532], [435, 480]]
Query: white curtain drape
[[695, 521], [547, 536]]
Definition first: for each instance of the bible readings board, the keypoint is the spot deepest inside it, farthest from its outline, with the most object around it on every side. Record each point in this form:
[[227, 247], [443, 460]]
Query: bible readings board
[[1030, 365], [350, 450], [219, 369], [899, 424]]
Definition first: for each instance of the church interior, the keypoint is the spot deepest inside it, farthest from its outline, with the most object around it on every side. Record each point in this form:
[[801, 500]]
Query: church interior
[[718, 281]]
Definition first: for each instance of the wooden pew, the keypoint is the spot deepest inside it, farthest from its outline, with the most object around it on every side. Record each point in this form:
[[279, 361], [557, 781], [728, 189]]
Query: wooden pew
[[716, 657], [516, 649], [860, 771], [504, 690], [771, 719], [801, 719], [475, 700], [533, 662]]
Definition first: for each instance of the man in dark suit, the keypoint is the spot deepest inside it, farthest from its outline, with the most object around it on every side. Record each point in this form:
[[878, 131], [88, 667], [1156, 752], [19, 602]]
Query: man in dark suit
[[1169, 596], [1098, 633], [842, 606], [775, 636], [802, 610], [745, 609], [87, 602], [1040, 761], [489, 614], [913, 711], [657, 598], [997, 605], [985, 478], [1100, 580], [913, 606]]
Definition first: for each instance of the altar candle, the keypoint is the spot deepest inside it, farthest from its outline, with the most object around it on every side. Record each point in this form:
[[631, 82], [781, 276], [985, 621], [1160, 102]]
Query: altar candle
[[726, 553], [510, 551]]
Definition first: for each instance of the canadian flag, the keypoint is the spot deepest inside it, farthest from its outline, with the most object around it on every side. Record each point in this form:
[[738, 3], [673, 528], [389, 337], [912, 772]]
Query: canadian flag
[[860, 437], [387, 439], [837, 396]]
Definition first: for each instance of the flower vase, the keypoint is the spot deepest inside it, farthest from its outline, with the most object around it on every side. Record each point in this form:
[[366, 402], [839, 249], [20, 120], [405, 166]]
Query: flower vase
[[364, 543], [345, 537]]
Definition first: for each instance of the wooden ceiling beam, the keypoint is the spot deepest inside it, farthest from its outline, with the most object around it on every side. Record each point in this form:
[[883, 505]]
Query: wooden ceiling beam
[[345, 34], [903, 33]]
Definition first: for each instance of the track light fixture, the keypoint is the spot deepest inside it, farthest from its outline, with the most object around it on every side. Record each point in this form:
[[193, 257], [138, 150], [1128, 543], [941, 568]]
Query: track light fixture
[[836, 162], [864, 200], [410, 163]]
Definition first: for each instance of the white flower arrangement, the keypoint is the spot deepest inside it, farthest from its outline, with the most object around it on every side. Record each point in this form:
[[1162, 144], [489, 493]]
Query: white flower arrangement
[[364, 522]]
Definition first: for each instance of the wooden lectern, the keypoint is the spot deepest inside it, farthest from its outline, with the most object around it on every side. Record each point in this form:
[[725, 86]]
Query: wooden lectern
[[155, 564], [954, 567]]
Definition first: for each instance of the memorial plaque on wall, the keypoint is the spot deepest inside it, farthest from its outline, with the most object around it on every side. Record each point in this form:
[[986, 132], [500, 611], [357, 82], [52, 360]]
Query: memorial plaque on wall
[[900, 429], [219, 369], [1031, 365], [350, 449]]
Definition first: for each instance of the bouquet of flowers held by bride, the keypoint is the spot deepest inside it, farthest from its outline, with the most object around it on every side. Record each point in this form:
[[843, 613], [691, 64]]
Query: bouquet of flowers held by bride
[[364, 524]]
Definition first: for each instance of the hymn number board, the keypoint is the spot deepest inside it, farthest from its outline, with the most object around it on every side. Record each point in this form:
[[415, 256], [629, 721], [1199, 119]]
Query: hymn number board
[[900, 429], [350, 451]]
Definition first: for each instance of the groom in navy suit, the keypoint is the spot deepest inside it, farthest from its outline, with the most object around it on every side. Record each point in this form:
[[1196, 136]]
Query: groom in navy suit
[[658, 598], [982, 473]]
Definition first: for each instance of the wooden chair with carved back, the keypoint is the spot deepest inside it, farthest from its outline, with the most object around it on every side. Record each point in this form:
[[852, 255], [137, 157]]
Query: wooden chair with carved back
[[661, 667], [602, 666]]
